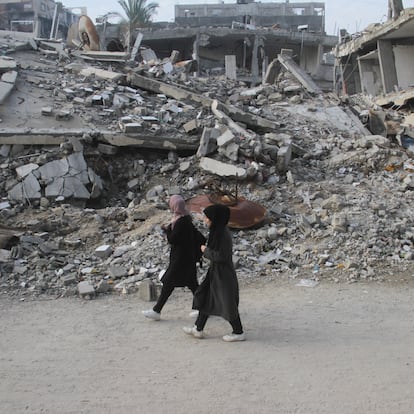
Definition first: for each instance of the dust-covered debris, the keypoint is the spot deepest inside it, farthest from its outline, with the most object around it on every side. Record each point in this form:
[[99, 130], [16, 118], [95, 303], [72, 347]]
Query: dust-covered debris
[[338, 198]]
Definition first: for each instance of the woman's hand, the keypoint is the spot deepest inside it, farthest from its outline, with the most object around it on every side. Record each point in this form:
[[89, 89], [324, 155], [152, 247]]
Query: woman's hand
[[203, 247]]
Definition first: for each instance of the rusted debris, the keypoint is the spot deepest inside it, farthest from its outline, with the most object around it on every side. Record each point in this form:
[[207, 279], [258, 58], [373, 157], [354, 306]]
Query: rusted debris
[[88, 34], [244, 214]]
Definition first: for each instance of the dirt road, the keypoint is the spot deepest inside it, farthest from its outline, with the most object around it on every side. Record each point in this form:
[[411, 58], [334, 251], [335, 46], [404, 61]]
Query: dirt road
[[329, 349]]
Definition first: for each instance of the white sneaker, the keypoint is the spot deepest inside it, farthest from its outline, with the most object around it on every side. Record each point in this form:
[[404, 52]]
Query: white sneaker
[[193, 314], [234, 337], [193, 331], [151, 314]]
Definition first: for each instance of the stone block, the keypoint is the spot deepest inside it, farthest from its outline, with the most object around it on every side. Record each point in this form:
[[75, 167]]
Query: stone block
[[103, 251], [284, 156], [47, 111], [117, 272], [190, 126], [85, 288], [222, 169], [226, 138], [68, 280], [147, 291]]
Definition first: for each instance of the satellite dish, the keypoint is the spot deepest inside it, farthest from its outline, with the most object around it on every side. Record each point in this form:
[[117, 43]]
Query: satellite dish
[[88, 35]]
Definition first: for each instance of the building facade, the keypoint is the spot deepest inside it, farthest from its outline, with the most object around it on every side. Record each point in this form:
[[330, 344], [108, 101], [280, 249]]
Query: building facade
[[43, 18], [288, 16]]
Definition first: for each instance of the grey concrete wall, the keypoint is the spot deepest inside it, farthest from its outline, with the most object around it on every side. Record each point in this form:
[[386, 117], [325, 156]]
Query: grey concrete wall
[[370, 72], [404, 64], [286, 15]]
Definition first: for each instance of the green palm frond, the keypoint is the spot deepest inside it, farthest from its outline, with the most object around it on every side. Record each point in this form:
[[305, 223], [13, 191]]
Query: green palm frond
[[138, 12]]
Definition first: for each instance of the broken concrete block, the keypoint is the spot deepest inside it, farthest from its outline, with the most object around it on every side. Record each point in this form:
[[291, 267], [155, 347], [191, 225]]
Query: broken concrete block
[[148, 55], [149, 118], [69, 279], [231, 151], [284, 156], [29, 189], [53, 169], [47, 111], [103, 286], [9, 77], [147, 291], [101, 74], [97, 100], [221, 169], [5, 90], [73, 187], [85, 288], [205, 146], [79, 101], [339, 223], [132, 184], [63, 115], [117, 272], [25, 170], [7, 63], [131, 128], [103, 251], [231, 66], [191, 126], [226, 138]]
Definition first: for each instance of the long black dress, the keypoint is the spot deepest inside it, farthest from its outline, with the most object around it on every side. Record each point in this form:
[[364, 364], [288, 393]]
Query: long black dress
[[182, 270], [218, 294]]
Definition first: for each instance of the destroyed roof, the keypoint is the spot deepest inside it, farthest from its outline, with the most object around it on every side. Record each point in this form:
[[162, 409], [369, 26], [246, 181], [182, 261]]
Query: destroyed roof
[[401, 28]]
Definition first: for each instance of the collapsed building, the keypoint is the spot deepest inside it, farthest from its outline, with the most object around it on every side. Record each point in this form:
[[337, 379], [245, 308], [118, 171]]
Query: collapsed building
[[252, 33], [42, 18], [379, 60], [92, 144]]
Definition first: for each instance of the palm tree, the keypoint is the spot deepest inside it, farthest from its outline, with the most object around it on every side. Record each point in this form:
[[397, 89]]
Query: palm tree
[[138, 13]]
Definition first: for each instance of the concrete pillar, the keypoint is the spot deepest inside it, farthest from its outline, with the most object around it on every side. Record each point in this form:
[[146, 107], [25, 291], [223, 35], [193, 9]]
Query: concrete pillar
[[231, 67], [195, 54], [387, 65], [255, 63]]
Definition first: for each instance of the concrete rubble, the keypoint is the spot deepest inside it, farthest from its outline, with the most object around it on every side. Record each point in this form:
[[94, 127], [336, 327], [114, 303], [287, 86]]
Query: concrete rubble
[[86, 172]]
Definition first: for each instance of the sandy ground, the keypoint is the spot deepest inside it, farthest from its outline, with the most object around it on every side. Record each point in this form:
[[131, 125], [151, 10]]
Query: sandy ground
[[330, 349]]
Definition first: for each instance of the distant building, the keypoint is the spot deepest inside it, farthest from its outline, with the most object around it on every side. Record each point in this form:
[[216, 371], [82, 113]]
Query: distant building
[[288, 16], [43, 18]]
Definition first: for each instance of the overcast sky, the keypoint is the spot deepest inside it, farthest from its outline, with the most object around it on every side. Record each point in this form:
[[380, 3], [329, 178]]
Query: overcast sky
[[351, 15]]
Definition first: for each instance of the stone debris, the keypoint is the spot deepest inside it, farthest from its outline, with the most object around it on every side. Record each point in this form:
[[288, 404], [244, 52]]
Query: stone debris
[[85, 178]]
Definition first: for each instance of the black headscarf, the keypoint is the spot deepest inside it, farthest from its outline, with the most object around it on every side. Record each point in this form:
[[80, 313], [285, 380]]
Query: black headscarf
[[219, 216]]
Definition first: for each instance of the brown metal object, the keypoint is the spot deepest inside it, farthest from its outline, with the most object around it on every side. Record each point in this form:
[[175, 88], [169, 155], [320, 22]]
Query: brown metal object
[[243, 213], [88, 35]]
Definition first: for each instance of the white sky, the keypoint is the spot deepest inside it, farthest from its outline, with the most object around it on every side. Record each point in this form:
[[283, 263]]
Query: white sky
[[353, 15]]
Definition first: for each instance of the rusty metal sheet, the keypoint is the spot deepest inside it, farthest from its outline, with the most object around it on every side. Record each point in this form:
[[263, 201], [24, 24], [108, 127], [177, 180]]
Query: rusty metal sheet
[[243, 213]]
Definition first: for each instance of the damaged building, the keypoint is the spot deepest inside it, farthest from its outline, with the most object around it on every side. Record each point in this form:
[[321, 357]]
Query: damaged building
[[249, 36], [42, 18], [379, 60], [251, 14], [94, 142]]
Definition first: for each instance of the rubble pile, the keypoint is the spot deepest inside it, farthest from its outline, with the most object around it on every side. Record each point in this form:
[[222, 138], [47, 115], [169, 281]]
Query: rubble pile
[[88, 214]]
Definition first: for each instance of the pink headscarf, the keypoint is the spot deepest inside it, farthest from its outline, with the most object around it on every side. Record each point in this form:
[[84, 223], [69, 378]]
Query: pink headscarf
[[178, 208]]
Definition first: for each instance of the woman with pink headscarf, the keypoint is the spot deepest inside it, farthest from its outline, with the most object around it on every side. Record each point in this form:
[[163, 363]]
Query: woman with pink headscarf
[[182, 270]]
